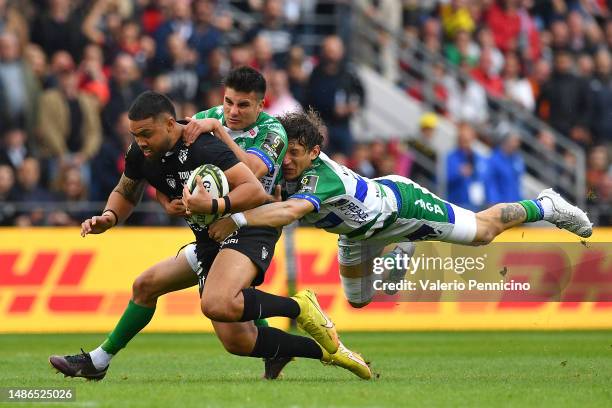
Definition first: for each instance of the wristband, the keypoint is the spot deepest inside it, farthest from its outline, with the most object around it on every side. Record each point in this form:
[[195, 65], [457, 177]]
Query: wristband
[[228, 205], [215, 206], [239, 219], [112, 212]]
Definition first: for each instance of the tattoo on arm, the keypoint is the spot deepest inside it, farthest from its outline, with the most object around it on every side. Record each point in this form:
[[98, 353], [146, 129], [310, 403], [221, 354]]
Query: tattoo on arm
[[131, 190], [512, 212]]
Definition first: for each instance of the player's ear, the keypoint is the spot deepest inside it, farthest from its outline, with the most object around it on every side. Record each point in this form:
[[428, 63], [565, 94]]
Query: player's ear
[[170, 123], [314, 152]]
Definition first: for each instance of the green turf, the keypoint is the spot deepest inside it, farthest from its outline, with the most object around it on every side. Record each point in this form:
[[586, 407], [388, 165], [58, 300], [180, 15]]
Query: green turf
[[517, 369]]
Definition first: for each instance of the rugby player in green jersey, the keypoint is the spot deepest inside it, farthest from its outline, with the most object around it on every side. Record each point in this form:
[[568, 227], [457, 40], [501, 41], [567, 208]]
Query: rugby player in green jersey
[[369, 214]]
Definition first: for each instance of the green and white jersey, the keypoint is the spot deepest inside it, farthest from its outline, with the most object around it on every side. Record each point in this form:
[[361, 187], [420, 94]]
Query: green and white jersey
[[358, 208], [266, 138], [345, 203]]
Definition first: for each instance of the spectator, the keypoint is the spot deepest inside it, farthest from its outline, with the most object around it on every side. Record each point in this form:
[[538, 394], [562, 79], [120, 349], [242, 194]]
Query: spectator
[[14, 148], [31, 196], [486, 76], [19, 89], [505, 23], [423, 169], [91, 74], [466, 171], [539, 76], [180, 23], [336, 92], [516, 87], [125, 85], [601, 97], [205, 37], [274, 27], [210, 92], [73, 196], [564, 102], [70, 127], [59, 28], [8, 208], [462, 49], [456, 17], [181, 74], [585, 66], [487, 42], [598, 176], [263, 57], [278, 99], [360, 161], [505, 169], [467, 100], [37, 60]]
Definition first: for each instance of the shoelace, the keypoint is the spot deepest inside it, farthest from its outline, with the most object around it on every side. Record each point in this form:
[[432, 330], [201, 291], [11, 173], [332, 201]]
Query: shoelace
[[78, 358]]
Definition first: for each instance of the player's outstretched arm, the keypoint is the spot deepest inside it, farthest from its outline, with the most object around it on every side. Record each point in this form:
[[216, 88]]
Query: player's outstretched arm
[[196, 127], [119, 206], [269, 215]]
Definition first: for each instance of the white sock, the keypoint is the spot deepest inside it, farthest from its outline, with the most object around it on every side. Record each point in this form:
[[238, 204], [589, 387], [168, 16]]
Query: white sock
[[100, 358], [547, 206]]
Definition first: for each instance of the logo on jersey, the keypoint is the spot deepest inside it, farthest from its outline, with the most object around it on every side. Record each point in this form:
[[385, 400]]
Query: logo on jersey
[[182, 156], [264, 253], [309, 183], [171, 182], [351, 210], [273, 146], [434, 208]]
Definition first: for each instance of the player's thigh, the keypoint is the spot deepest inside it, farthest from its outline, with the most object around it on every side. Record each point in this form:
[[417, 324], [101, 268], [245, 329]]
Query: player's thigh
[[169, 275], [231, 272], [237, 337]]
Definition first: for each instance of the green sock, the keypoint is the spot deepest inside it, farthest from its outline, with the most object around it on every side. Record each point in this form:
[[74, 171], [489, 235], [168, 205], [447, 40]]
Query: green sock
[[534, 210], [261, 323], [133, 320]]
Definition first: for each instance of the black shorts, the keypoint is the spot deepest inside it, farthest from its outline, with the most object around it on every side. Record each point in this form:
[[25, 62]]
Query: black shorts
[[257, 243]]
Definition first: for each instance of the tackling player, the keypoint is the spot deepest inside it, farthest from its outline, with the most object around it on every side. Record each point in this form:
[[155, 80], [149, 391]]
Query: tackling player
[[370, 214], [227, 270]]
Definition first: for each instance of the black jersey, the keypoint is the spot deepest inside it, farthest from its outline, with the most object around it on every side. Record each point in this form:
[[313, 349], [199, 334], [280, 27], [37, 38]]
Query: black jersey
[[170, 171]]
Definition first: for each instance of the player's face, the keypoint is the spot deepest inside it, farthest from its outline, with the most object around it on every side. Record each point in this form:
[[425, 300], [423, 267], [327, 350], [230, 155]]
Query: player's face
[[240, 109], [153, 135], [298, 159]]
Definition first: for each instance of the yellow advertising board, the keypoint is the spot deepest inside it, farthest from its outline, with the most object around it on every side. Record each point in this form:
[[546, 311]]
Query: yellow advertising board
[[52, 280]]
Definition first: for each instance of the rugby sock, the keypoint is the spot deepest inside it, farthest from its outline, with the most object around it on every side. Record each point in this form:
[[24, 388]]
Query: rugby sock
[[258, 305], [533, 209], [100, 358], [547, 206], [133, 320], [272, 343]]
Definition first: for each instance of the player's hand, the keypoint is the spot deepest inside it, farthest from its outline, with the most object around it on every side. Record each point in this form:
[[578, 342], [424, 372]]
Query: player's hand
[[201, 202], [277, 197], [97, 224], [176, 208], [196, 127], [221, 229]]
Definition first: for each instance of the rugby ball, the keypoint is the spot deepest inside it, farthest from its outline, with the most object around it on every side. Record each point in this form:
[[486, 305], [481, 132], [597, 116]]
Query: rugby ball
[[214, 182]]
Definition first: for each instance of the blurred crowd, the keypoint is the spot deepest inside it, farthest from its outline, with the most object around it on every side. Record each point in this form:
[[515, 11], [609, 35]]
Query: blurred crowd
[[69, 70], [549, 58]]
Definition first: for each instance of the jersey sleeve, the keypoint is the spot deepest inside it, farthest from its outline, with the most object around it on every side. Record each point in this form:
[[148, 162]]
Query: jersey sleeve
[[133, 162], [317, 188], [210, 150], [270, 146]]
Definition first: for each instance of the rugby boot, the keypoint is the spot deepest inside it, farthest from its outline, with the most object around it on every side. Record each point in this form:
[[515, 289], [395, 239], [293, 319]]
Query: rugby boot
[[78, 365], [315, 322], [348, 360], [565, 215]]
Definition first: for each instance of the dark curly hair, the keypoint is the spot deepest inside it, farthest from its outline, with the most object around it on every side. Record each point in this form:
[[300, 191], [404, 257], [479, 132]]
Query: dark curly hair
[[304, 127]]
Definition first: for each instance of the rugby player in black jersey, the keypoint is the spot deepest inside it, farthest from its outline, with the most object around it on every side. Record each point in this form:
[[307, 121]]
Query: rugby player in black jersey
[[229, 269]]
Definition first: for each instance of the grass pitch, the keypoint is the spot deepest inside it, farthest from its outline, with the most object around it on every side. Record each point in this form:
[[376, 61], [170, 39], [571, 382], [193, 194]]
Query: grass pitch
[[422, 369]]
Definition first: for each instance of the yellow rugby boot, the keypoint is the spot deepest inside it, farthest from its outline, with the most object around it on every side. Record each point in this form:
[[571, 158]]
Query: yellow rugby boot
[[315, 322], [349, 360]]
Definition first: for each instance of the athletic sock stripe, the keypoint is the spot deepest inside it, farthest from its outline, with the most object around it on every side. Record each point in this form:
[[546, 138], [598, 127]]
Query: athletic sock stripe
[[451, 213]]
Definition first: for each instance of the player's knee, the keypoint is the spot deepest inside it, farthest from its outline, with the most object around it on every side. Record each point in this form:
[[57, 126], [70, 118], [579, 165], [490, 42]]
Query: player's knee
[[220, 309], [143, 288], [359, 305], [358, 291], [235, 346]]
